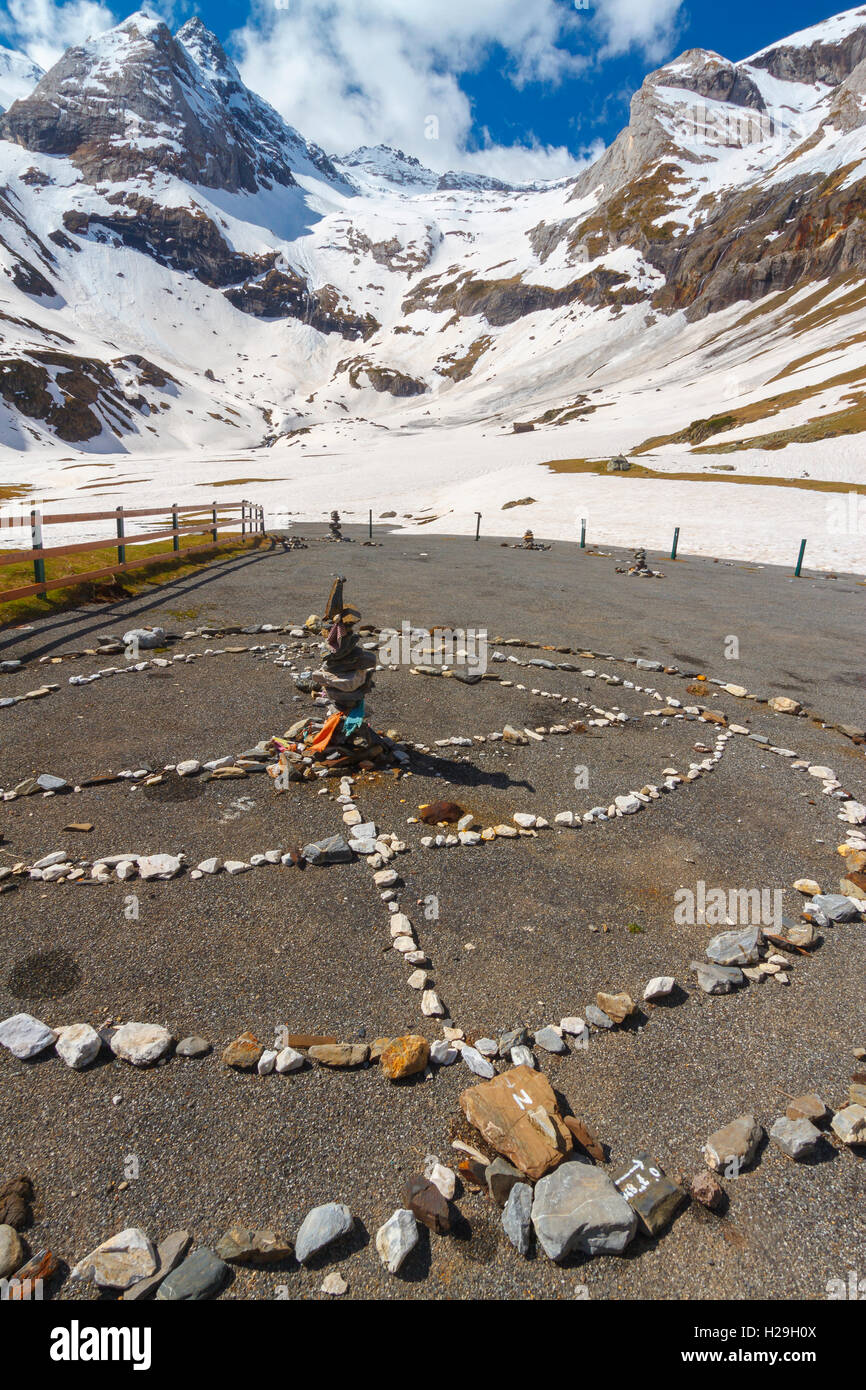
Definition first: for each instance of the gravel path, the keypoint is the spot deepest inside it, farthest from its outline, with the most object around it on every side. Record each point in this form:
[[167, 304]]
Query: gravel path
[[511, 943]]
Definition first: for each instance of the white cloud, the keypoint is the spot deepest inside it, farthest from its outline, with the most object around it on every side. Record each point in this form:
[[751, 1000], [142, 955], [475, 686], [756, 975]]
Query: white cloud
[[44, 29], [359, 72], [650, 26]]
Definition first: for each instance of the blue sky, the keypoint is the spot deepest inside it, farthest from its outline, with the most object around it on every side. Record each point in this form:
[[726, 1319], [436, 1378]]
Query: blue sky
[[516, 87]]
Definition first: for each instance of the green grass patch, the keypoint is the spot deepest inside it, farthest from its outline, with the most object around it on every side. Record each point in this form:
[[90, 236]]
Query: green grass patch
[[163, 568]]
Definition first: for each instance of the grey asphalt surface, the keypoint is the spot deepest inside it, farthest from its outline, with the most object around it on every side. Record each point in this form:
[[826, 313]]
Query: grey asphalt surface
[[512, 941]]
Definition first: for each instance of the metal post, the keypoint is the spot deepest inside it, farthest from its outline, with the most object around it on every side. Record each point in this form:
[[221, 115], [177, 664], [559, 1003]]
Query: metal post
[[262, 518], [478, 525], [800, 559], [676, 542], [36, 543], [175, 540], [583, 533], [370, 524], [121, 549], [214, 522]]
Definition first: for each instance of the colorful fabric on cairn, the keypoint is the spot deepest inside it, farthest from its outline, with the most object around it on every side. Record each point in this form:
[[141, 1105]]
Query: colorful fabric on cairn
[[325, 734], [354, 719]]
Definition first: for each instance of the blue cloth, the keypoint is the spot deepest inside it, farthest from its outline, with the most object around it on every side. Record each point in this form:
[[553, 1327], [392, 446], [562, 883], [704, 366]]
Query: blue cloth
[[354, 718]]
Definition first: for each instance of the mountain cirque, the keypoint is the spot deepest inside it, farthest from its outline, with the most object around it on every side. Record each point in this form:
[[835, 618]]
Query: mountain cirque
[[145, 185]]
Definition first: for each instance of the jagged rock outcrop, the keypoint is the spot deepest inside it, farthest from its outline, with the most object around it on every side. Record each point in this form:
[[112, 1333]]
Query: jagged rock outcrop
[[502, 302], [758, 244], [362, 372], [280, 294], [825, 59], [27, 384]]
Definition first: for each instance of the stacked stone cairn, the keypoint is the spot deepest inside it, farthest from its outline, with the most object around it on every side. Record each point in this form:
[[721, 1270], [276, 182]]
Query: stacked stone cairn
[[341, 685]]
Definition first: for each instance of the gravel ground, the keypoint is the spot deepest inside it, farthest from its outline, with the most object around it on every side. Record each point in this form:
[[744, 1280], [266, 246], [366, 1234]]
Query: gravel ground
[[511, 942]]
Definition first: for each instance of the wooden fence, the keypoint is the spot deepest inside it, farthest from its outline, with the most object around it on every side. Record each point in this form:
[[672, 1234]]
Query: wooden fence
[[214, 518]]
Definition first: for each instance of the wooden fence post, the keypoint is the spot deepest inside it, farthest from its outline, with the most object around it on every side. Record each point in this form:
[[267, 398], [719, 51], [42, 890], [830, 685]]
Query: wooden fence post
[[121, 549], [214, 522], [175, 540]]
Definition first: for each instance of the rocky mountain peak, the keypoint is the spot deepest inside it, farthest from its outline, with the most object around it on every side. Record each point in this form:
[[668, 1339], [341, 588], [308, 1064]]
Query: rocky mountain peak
[[711, 76], [137, 101]]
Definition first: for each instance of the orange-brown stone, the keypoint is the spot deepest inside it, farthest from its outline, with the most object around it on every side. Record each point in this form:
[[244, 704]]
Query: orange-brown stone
[[405, 1056], [517, 1114]]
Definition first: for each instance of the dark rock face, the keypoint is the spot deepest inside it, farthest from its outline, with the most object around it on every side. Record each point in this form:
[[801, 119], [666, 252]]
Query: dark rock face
[[284, 294], [821, 232], [135, 101], [830, 63], [363, 373], [83, 382], [176, 237], [502, 302]]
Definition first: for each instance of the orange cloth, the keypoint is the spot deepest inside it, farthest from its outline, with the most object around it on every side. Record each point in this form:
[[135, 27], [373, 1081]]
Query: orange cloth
[[325, 734]]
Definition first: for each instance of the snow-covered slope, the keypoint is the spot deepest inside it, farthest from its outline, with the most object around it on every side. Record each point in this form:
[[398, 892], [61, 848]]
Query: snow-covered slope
[[18, 76], [185, 274]]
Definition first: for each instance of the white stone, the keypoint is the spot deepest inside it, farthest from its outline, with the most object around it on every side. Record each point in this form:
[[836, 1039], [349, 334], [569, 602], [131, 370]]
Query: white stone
[[396, 1239], [266, 1063], [440, 1176], [565, 818], [159, 866], [57, 856], [25, 1036], [522, 1056], [288, 1060], [476, 1063], [236, 866], [78, 1044], [659, 986], [188, 767], [141, 1043], [573, 1025], [118, 1262], [431, 1004], [442, 1054], [524, 819], [210, 866]]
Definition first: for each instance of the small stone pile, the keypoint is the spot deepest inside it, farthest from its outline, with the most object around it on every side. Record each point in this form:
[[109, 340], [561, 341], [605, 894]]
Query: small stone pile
[[335, 532], [639, 567]]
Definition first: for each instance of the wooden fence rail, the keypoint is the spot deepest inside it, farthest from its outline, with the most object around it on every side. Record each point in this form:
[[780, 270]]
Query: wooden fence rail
[[219, 516]]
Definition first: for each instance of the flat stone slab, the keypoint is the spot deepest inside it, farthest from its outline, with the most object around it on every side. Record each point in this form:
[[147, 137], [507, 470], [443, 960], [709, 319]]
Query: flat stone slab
[[653, 1196], [518, 1116], [201, 1275]]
